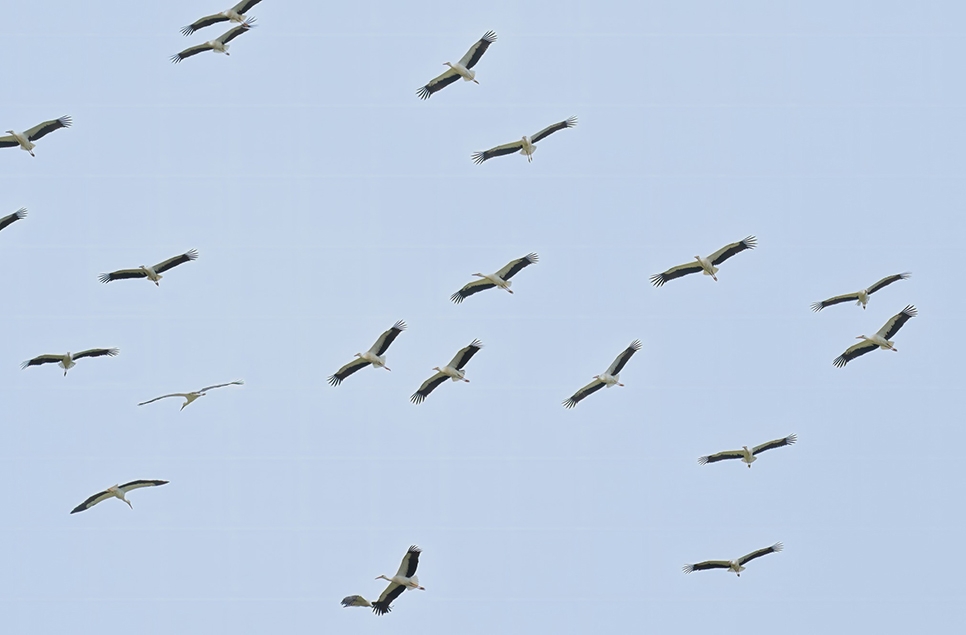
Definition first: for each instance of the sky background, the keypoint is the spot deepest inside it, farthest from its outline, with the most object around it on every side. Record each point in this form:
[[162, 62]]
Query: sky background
[[327, 201]]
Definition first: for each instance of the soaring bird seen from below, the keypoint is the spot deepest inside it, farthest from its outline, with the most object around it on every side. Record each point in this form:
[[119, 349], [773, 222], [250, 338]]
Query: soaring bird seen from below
[[453, 370], [66, 361], [195, 394], [748, 456], [26, 139], [608, 378], [861, 298], [525, 146], [116, 491], [218, 45], [499, 279], [405, 578], [376, 355], [882, 339], [737, 565], [151, 273], [460, 69], [235, 14], [708, 266]]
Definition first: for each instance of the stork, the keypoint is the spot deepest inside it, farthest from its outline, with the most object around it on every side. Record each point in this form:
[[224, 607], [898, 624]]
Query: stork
[[66, 361], [526, 145], [235, 14], [404, 579], [861, 298], [748, 456], [195, 394], [116, 491], [499, 279], [9, 219], [151, 273], [26, 139], [453, 370], [737, 565], [882, 339], [608, 378], [218, 45], [707, 266], [376, 355], [462, 68]]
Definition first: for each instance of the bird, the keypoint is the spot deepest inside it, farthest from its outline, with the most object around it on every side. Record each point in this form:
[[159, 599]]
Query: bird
[[405, 578], [66, 361], [608, 378], [460, 69], [9, 219], [116, 491], [737, 565], [706, 265], [218, 45], [355, 600], [453, 370], [861, 297], [151, 273], [235, 14], [376, 355], [882, 339], [526, 145], [191, 396], [26, 139], [746, 455], [499, 279]]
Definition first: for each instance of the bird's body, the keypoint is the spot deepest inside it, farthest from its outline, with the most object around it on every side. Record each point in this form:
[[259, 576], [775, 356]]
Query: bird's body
[[861, 298], [25, 140], [218, 45], [610, 377], [881, 339], [526, 145], [708, 266], [193, 395], [66, 361], [461, 69], [500, 279], [355, 600], [151, 273], [235, 14], [748, 456], [116, 491], [404, 579], [375, 355], [737, 565], [453, 370], [9, 219]]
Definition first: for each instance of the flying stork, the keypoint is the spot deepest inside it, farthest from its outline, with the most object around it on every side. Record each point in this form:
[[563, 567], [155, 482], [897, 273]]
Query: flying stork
[[608, 378], [218, 45], [9, 219], [708, 265], [459, 69], [355, 600], [376, 355], [499, 279], [737, 565], [26, 139], [453, 370], [861, 298], [882, 339], [748, 456], [235, 14], [525, 146], [195, 394], [405, 578], [151, 273], [67, 361], [116, 491]]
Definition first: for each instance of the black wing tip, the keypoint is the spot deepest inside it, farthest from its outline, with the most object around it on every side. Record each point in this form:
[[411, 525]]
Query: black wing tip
[[569, 403], [532, 258], [334, 381], [188, 30], [478, 157], [424, 92], [489, 36], [911, 310], [750, 242], [20, 213], [381, 608], [79, 508], [778, 546], [417, 398], [904, 275], [112, 352], [25, 364], [105, 278], [414, 549], [176, 59], [400, 325], [191, 254], [658, 280], [457, 297], [635, 345], [476, 344], [840, 361], [570, 122], [791, 439], [66, 121], [703, 460], [688, 568], [817, 306]]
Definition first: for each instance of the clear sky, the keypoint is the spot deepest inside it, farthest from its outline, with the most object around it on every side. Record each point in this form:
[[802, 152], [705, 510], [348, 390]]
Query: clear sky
[[327, 201]]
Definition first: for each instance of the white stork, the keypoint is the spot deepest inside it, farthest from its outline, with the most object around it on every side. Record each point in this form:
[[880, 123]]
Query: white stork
[[151, 273], [460, 69], [405, 578], [376, 355], [9, 219], [235, 14], [195, 394], [26, 139], [66, 361], [218, 45], [526, 145], [116, 491], [453, 370], [355, 600], [737, 565], [708, 265], [882, 339], [608, 378], [861, 298], [499, 279], [748, 456]]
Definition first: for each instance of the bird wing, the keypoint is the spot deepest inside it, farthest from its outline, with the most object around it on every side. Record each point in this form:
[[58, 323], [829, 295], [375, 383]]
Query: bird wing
[[381, 606], [12, 218], [856, 350], [96, 352], [230, 35], [42, 359], [171, 263], [777, 443], [839, 299], [201, 23], [93, 500], [192, 50], [239, 382], [8, 141], [498, 151], [174, 394], [775, 548], [121, 274], [127, 487], [890, 328], [659, 279], [514, 266], [470, 288], [707, 564], [428, 386], [355, 600], [618, 364], [243, 7], [721, 456], [352, 367], [581, 394], [44, 129], [465, 355], [730, 250], [549, 130], [477, 50], [409, 562], [387, 338], [887, 281], [438, 83]]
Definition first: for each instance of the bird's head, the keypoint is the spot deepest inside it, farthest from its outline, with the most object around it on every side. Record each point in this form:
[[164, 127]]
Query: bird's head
[[383, 577], [436, 368], [10, 132], [745, 447]]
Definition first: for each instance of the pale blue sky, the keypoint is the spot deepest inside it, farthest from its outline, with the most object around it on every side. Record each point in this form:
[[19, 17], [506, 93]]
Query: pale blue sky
[[327, 201]]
